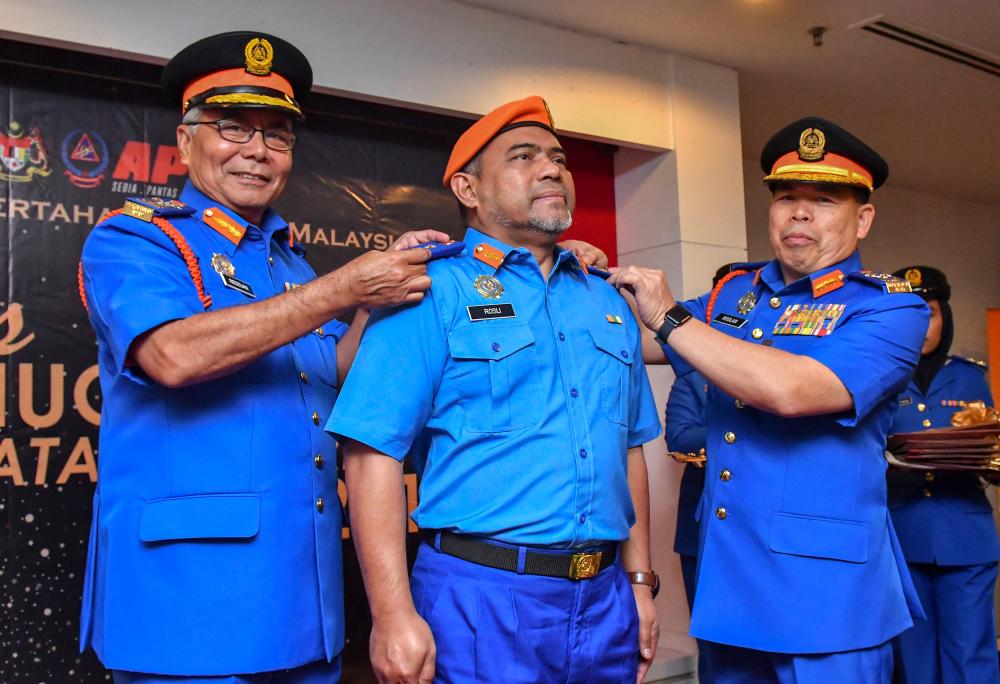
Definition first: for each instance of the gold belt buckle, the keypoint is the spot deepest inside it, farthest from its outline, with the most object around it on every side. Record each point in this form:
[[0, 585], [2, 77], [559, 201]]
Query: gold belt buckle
[[584, 565]]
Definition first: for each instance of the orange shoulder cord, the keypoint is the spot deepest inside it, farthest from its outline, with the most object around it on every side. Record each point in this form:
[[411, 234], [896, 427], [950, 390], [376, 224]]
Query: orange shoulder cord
[[189, 258], [716, 290]]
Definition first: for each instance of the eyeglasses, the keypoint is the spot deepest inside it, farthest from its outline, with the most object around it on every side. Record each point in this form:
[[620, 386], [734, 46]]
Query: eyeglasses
[[278, 139]]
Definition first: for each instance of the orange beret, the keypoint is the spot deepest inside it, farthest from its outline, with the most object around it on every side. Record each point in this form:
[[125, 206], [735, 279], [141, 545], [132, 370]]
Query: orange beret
[[531, 111]]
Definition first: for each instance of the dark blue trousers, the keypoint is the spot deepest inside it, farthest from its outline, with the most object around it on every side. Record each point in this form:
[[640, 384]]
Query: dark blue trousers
[[735, 665], [319, 672], [689, 572], [498, 626], [957, 642]]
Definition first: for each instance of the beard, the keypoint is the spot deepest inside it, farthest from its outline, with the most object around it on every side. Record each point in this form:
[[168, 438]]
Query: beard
[[554, 226]]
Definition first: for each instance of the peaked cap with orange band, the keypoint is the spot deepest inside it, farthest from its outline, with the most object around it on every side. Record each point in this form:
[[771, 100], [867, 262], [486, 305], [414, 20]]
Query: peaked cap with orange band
[[239, 69], [531, 111], [814, 150]]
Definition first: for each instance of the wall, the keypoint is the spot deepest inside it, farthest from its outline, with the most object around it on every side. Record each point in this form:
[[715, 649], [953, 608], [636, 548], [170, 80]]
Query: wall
[[959, 237]]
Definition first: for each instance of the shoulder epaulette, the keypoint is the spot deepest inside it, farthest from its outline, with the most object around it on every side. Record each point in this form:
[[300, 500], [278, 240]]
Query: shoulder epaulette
[[146, 208], [889, 283], [970, 360], [750, 266]]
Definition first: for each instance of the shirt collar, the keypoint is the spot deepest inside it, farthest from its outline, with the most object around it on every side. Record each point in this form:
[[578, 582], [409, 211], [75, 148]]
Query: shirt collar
[[563, 257], [771, 273], [227, 226]]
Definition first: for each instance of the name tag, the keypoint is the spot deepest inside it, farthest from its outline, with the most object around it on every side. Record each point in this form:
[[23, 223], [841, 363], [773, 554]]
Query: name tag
[[730, 320], [234, 283], [485, 312]]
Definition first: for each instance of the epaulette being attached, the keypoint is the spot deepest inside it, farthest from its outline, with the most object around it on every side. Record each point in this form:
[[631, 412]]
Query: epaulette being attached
[[146, 208], [889, 283], [972, 361]]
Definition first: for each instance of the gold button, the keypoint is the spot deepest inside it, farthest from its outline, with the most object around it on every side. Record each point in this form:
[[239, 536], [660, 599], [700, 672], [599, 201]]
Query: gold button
[[926, 422], [921, 407], [319, 331], [726, 475], [320, 504], [775, 302], [315, 418], [209, 212], [720, 513], [757, 333], [318, 461], [730, 437], [303, 376], [929, 477], [928, 493], [479, 248], [739, 404], [270, 260]]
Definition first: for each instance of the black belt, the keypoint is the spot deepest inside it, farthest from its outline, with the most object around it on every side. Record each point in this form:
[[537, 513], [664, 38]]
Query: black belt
[[577, 566]]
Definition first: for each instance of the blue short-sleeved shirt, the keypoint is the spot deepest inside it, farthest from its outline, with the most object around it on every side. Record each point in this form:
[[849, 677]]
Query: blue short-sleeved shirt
[[206, 504], [518, 423], [796, 552]]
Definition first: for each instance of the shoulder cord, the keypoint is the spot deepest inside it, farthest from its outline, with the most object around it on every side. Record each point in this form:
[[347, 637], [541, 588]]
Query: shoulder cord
[[189, 259], [717, 289]]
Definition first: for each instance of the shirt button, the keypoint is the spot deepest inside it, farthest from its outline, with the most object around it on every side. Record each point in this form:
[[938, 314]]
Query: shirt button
[[775, 302], [726, 475], [495, 346], [583, 517], [624, 354], [318, 461], [209, 212], [303, 376], [315, 418], [926, 422], [928, 493], [573, 393], [720, 513], [921, 407], [270, 260], [562, 338], [730, 437], [757, 333], [320, 504], [929, 477], [739, 404], [583, 453]]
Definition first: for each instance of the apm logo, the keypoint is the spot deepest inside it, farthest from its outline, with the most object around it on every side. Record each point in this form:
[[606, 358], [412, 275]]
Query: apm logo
[[85, 155], [22, 156]]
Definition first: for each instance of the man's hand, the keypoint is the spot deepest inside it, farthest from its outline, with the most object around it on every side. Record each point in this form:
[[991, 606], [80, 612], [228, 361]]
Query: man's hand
[[402, 649], [649, 628], [591, 256], [412, 238], [378, 279], [652, 293]]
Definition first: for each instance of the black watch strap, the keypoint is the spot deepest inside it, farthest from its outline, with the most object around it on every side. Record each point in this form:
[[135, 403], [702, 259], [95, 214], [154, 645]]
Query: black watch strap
[[674, 318]]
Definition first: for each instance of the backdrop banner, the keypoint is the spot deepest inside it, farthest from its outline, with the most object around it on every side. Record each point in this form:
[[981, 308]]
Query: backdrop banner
[[71, 149]]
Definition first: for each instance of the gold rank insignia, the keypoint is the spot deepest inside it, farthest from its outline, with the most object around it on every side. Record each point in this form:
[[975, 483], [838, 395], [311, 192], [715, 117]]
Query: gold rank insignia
[[812, 145], [914, 277], [259, 56], [815, 320], [139, 211], [834, 280], [489, 287], [747, 303], [222, 265]]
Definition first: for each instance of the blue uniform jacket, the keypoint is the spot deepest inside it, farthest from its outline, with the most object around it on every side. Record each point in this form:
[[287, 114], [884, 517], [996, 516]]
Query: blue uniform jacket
[[942, 517], [685, 432], [797, 551], [517, 411], [208, 554]]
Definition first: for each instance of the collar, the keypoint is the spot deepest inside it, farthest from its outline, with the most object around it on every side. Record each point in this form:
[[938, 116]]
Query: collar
[[493, 253], [225, 223], [823, 281]]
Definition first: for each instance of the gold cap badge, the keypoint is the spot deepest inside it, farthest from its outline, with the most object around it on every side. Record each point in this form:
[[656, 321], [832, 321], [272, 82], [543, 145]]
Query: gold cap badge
[[260, 56], [812, 145], [914, 277]]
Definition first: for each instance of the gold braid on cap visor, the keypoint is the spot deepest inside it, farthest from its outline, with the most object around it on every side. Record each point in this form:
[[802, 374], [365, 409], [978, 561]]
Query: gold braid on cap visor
[[818, 173], [252, 99]]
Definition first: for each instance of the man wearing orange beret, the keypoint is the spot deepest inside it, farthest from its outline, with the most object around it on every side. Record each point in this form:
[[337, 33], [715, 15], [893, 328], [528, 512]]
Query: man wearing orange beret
[[523, 403]]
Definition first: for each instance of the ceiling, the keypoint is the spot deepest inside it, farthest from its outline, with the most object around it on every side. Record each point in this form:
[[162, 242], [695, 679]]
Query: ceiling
[[935, 121]]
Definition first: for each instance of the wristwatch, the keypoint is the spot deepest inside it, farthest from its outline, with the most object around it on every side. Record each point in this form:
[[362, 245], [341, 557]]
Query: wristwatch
[[674, 318], [650, 579]]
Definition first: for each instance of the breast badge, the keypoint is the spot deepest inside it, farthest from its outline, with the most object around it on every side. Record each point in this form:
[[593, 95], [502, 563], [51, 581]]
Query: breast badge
[[747, 303], [224, 267], [489, 287]]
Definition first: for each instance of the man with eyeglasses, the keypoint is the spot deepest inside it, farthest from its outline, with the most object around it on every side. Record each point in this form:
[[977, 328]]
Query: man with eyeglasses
[[216, 538]]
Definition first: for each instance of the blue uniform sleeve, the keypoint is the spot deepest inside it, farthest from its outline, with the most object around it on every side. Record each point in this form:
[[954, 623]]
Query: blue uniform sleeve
[[644, 422], [135, 279], [336, 329], [875, 351], [388, 395], [685, 417], [697, 307]]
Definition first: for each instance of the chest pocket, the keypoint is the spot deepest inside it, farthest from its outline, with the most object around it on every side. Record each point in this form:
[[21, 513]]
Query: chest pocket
[[614, 367], [496, 368]]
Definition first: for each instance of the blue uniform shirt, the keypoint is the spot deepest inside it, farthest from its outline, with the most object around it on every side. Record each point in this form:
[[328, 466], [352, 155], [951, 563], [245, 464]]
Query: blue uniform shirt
[[685, 432], [208, 553], [518, 426], [942, 517], [797, 554]]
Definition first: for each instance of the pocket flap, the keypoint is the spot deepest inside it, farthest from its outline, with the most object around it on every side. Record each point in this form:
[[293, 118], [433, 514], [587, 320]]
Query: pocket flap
[[614, 343], [804, 535], [213, 516], [492, 342]]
